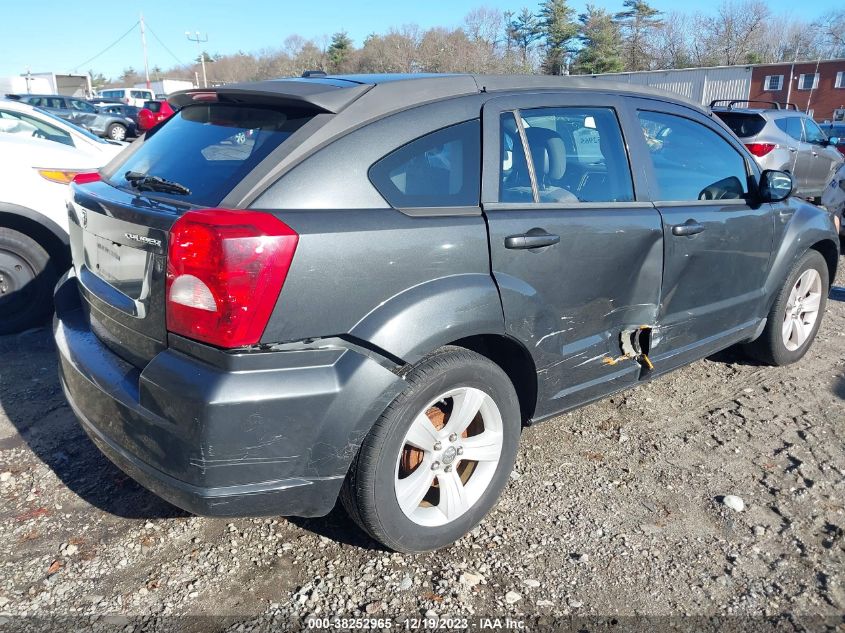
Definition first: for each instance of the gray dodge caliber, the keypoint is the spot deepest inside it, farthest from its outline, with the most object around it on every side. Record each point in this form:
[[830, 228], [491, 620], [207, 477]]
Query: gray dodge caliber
[[362, 287]]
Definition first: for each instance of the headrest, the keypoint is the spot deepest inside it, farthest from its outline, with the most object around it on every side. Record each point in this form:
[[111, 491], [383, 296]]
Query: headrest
[[547, 151]]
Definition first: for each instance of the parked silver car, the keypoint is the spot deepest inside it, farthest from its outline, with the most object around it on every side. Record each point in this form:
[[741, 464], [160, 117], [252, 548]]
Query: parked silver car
[[784, 139]]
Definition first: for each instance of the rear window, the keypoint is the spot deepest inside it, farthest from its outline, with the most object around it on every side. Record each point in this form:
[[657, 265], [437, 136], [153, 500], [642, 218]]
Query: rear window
[[210, 148], [152, 106], [743, 124]]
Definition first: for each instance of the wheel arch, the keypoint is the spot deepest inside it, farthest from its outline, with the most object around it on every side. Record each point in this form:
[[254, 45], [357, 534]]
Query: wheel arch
[[515, 361], [830, 252], [49, 235]]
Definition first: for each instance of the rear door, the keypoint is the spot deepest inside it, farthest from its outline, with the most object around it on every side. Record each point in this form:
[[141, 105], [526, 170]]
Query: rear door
[[717, 244], [576, 253], [800, 151], [825, 158]]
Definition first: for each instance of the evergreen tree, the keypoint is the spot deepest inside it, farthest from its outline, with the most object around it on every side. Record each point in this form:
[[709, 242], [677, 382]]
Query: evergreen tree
[[524, 30], [638, 22], [601, 43], [558, 31], [339, 49]]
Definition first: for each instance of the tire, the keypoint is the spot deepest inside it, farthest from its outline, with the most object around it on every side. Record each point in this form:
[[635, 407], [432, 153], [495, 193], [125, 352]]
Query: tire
[[385, 458], [772, 347], [27, 278], [116, 132]]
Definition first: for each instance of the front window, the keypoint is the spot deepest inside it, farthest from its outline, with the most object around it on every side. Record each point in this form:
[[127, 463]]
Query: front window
[[82, 106], [691, 161], [814, 132]]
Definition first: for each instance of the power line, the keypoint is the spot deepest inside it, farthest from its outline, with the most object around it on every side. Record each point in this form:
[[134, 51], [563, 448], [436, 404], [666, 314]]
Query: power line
[[164, 46], [108, 48]]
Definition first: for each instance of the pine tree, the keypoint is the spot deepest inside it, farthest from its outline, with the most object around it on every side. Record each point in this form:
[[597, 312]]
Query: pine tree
[[524, 31], [558, 31], [638, 23], [339, 49], [601, 43]]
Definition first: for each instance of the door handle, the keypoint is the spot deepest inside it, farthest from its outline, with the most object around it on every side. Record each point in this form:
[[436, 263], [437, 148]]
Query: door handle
[[792, 149], [535, 238], [688, 228]]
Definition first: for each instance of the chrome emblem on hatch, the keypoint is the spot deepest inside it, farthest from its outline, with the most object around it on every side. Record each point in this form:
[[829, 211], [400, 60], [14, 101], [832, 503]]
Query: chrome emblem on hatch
[[143, 239]]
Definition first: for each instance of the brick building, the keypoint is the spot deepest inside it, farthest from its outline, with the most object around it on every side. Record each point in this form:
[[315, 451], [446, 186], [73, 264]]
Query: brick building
[[815, 87]]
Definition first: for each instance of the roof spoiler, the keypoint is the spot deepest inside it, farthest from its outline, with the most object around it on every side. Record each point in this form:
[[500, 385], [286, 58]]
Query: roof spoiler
[[318, 93], [732, 102]]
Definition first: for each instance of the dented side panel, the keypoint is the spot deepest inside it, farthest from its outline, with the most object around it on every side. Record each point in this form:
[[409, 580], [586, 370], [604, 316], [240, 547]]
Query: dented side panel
[[568, 303]]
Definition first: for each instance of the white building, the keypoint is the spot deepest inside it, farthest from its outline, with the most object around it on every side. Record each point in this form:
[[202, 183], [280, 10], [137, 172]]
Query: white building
[[702, 85]]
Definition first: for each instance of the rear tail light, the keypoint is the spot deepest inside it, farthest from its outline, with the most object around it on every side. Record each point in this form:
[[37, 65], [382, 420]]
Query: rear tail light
[[225, 270], [67, 176], [760, 149]]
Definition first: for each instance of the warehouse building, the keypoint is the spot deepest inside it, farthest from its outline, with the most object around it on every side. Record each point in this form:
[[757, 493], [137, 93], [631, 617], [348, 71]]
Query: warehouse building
[[814, 87]]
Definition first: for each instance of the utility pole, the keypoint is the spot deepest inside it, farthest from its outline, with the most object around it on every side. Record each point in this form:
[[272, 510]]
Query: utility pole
[[199, 40], [144, 45]]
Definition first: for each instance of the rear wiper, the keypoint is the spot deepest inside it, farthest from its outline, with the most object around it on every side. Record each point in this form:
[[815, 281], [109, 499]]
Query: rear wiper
[[143, 182]]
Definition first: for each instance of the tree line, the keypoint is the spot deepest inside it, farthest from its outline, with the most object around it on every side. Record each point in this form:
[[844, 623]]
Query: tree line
[[551, 39]]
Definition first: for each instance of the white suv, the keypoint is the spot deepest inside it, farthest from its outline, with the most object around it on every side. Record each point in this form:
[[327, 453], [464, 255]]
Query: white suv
[[129, 96], [39, 156]]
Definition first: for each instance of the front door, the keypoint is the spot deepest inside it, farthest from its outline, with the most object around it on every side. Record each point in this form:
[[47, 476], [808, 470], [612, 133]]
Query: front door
[[825, 157], [717, 241], [576, 252]]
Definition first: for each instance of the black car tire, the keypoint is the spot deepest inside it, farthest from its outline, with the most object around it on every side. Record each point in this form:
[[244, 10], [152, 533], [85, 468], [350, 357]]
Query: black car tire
[[369, 493], [116, 132], [770, 347], [27, 278]]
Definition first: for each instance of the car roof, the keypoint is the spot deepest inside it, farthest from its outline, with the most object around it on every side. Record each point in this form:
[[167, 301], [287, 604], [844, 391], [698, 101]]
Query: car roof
[[391, 92]]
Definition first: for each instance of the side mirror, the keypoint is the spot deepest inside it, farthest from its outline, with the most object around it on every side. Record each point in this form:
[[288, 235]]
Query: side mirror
[[833, 140], [775, 185]]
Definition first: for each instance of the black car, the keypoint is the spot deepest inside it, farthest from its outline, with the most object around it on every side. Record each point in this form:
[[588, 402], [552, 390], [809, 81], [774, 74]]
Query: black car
[[120, 109], [364, 286], [80, 112]]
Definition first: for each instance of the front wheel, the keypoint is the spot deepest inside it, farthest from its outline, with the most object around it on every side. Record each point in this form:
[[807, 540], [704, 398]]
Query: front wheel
[[438, 458], [796, 314]]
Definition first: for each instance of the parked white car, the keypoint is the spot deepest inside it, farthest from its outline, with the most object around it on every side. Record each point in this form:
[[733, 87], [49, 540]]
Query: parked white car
[[130, 96], [39, 156]]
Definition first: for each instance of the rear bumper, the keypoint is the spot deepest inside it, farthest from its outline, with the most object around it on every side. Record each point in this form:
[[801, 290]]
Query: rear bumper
[[232, 435]]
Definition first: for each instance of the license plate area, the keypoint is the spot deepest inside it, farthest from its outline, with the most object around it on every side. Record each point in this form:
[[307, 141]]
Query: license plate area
[[122, 267]]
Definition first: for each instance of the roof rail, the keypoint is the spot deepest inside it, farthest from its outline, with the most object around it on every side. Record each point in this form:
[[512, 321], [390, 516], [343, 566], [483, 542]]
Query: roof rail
[[775, 105], [314, 73]]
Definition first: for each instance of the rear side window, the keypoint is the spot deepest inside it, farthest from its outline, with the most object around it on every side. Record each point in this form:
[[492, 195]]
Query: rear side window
[[440, 169], [112, 94], [210, 148], [140, 94], [19, 123], [743, 124], [792, 126], [691, 161]]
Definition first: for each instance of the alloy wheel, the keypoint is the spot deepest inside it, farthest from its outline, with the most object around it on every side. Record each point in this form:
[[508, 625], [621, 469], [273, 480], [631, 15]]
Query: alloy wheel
[[449, 456], [802, 309]]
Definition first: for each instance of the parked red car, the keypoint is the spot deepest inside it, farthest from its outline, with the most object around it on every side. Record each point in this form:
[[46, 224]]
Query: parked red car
[[153, 113]]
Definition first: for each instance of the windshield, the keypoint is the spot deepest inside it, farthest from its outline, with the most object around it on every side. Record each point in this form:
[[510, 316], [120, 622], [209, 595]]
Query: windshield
[[209, 148], [73, 127]]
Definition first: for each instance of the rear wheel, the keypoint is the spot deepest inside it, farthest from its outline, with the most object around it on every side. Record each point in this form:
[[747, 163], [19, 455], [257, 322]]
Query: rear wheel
[[796, 314], [438, 458], [27, 277], [116, 132]]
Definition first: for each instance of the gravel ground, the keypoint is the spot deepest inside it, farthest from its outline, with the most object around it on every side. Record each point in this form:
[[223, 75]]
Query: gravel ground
[[617, 509]]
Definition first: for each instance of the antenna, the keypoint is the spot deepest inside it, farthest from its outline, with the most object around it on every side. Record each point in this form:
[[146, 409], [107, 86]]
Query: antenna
[[199, 40], [144, 45]]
